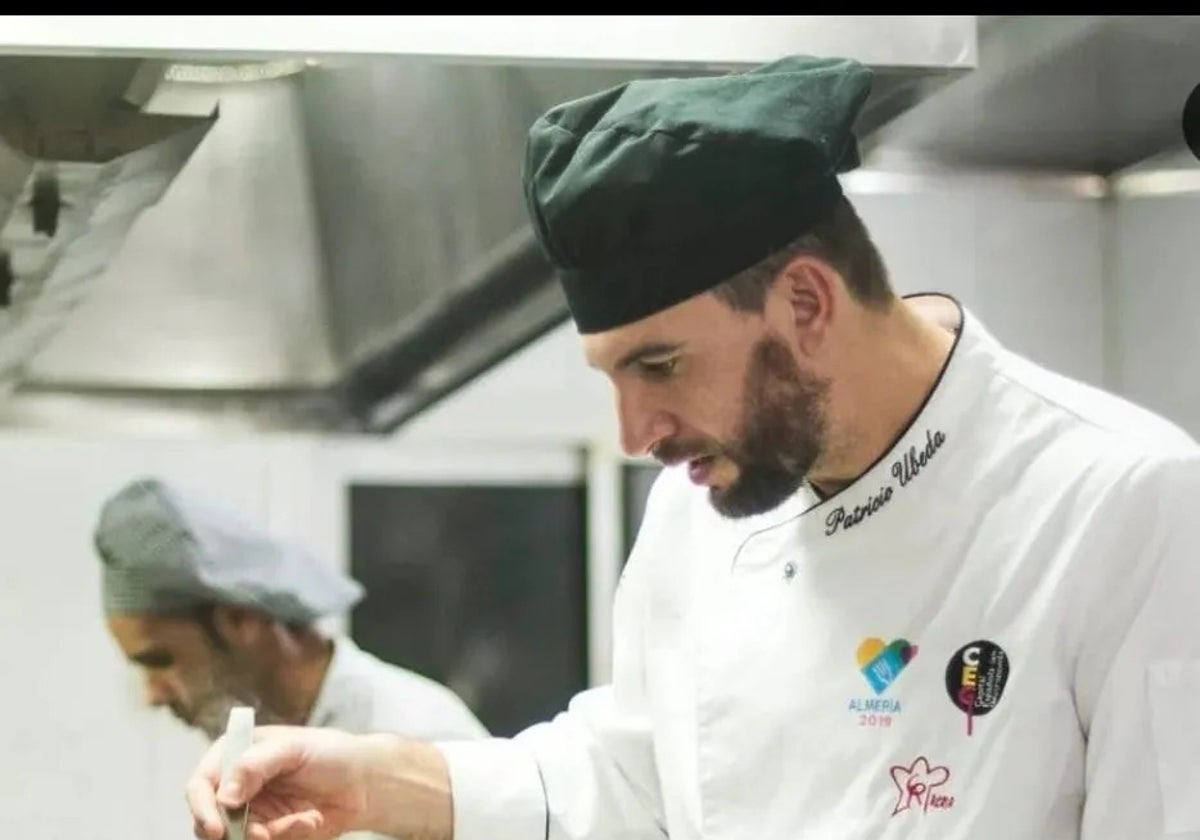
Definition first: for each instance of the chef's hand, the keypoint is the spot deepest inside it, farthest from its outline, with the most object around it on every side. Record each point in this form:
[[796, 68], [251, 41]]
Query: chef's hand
[[308, 783]]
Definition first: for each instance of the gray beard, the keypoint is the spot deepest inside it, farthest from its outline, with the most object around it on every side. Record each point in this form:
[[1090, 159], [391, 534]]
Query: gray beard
[[211, 713]]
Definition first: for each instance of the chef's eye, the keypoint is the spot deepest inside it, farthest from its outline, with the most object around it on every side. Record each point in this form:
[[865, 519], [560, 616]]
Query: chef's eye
[[658, 368], [155, 660]]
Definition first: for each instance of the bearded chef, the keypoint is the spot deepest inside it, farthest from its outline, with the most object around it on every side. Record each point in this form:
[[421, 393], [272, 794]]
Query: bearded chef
[[896, 582]]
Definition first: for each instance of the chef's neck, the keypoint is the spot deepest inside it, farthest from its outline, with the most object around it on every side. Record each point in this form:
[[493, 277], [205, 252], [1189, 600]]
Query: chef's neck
[[889, 363], [291, 687]]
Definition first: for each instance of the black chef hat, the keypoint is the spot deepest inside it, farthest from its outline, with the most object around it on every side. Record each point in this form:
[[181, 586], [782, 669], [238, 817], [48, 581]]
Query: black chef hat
[[651, 192]]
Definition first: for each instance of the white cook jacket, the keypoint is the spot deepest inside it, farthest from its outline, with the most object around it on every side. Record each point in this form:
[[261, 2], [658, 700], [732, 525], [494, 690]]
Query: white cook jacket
[[993, 634], [363, 694]]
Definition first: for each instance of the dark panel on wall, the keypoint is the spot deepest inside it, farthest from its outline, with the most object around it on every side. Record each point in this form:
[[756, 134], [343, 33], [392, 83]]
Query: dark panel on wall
[[482, 588], [637, 480]]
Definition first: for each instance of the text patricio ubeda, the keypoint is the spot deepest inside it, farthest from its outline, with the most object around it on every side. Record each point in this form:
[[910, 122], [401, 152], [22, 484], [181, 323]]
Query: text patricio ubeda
[[906, 468]]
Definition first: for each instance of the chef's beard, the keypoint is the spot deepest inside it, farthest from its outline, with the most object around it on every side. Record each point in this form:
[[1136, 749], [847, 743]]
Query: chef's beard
[[782, 434], [210, 707]]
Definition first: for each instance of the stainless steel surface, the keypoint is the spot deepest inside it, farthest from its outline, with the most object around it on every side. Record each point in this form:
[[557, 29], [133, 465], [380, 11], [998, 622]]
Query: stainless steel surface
[[80, 159], [623, 41], [348, 243], [220, 284], [1090, 94]]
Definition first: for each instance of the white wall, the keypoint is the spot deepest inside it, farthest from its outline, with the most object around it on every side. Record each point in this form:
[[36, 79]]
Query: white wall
[[1153, 332], [1024, 255]]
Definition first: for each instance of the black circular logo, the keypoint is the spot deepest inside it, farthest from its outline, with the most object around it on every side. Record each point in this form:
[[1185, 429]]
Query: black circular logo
[[975, 679], [1191, 121]]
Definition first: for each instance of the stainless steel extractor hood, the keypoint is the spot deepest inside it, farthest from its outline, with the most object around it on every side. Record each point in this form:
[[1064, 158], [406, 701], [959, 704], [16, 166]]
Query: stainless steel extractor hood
[[346, 244], [1067, 93], [80, 159]]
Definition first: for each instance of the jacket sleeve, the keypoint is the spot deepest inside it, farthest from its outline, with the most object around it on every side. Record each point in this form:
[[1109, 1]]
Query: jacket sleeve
[[1138, 679], [589, 773]]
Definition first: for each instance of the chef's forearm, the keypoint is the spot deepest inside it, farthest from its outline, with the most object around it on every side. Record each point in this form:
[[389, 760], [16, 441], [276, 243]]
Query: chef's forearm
[[407, 790], [475, 789]]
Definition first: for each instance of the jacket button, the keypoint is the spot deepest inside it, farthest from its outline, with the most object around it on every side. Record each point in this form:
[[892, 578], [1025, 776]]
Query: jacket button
[[789, 571]]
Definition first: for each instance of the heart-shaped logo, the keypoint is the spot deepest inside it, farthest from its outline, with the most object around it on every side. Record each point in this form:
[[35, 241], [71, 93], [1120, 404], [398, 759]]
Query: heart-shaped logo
[[881, 662]]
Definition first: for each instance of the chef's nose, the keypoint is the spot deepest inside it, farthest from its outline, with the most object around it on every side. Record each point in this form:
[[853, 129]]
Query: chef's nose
[[157, 690], [643, 421]]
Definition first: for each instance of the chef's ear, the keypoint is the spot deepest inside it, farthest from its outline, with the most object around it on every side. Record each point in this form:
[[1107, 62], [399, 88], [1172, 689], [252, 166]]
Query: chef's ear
[[237, 626], [810, 284]]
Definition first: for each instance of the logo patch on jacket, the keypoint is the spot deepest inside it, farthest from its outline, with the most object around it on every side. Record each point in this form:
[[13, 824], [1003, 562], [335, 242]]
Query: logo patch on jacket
[[920, 787], [975, 679], [880, 663]]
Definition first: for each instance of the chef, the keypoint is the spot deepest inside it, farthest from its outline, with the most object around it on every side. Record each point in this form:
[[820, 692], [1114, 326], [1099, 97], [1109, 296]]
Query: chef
[[896, 581], [216, 613]]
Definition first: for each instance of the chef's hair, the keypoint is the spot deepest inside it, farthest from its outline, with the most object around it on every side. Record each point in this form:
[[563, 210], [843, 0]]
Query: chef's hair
[[840, 239], [204, 615]]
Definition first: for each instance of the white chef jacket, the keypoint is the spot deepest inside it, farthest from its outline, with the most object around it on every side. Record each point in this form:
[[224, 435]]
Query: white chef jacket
[[992, 634], [363, 694]]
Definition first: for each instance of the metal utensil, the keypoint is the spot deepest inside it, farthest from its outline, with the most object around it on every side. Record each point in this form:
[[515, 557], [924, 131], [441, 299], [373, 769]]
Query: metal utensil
[[239, 733]]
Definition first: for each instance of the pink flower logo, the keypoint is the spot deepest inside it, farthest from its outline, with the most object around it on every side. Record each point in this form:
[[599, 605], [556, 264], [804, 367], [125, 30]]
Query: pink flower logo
[[916, 785]]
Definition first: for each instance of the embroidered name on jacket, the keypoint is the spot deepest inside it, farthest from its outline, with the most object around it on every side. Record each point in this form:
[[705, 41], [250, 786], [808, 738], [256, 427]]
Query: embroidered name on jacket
[[904, 470]]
